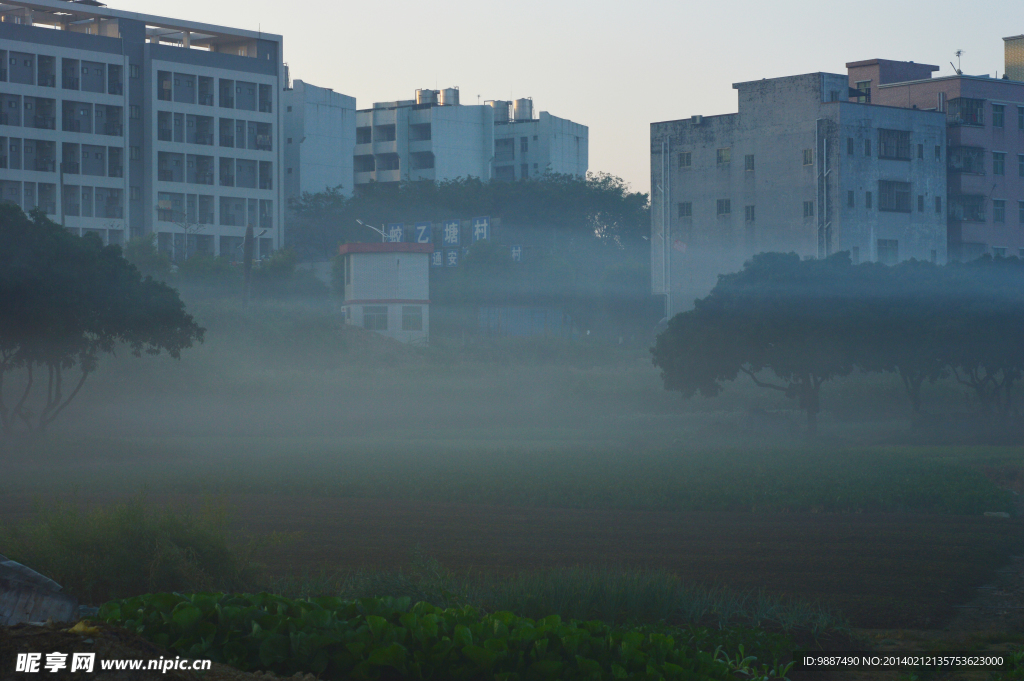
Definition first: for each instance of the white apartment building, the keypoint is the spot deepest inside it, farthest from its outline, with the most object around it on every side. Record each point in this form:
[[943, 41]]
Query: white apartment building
[[526, 147], [798, 168], [318, 139], [432, 137], [147, 125]]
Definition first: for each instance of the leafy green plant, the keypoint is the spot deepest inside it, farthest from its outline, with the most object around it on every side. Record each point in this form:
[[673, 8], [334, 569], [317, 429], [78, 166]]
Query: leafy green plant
[[385, 638]]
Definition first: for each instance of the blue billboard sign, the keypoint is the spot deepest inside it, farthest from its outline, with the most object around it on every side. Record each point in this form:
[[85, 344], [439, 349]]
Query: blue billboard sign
[[451, 233], [423, 234], [394, 232], [481, 228]]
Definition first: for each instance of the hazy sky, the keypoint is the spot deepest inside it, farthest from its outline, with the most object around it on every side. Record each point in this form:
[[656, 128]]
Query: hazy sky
[[613, 66]]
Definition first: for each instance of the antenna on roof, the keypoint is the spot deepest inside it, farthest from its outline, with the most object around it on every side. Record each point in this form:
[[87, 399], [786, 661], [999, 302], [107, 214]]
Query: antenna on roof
[[957, 67]]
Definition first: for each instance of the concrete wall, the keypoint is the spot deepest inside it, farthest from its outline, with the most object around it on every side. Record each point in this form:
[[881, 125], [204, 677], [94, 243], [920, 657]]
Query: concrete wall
[[319, 136]]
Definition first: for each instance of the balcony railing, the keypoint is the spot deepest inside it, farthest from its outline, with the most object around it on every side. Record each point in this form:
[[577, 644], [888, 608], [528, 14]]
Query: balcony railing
[[69, 83], [164, 134], [165, 175], [71, 125], [44, 122], [45, 165], [227, 140], [47, 80], [206, 99], [114, 129], [70, 167], [115, 89]]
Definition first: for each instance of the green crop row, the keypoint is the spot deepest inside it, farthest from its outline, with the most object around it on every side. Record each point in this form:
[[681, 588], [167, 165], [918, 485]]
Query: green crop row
[[387, 639]]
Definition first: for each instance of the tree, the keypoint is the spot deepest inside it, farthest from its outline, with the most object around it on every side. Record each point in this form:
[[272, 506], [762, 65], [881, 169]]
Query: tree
[[65, 301], [142, 252], [780, 314]]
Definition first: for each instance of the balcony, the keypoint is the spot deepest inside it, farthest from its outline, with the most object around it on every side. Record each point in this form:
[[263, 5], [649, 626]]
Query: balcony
[[206, 219], [205, 138], [165, 175], [3, 161], [70, 167], [44, 122], [3, 74], [163, 95], [266, 107], [204, 178], [266, 184], [71, 125], [227, 180], [47, 80], [227, 140], [114, 129], [113, 211], [206, 100], [263, 143], [69, 82], [164, 134], [44, 165], [50, 207], [230, 220], [116, 171], [115, 89], [227, 102], [3, 119]]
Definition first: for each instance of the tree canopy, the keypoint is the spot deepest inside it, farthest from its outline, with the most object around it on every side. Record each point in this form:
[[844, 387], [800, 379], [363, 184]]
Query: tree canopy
[[806, 322], [65, 301]]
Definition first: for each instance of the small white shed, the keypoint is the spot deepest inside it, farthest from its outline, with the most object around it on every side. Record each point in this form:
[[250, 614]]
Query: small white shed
[[387, 288]]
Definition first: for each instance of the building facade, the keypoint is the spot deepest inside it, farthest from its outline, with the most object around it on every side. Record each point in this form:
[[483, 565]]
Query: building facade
[[798, 168], [387, 288], [318, 139], [432, 137], [125, 124], [985, 144], [526, 147]]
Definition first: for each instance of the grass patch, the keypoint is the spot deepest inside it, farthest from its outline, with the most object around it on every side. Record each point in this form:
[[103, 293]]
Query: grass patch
[[127, 549]]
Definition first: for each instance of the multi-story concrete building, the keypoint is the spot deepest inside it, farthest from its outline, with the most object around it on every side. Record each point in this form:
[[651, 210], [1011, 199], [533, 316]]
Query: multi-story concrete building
[[146, 124], [525, 146], [318, 139], [432, 137], [985, 144], [797, 169]]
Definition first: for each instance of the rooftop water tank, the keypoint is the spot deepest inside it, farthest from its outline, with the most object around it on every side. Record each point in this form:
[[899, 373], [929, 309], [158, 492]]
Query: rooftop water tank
[[500, 107], [450, 96], [522, 110], [426, 96]]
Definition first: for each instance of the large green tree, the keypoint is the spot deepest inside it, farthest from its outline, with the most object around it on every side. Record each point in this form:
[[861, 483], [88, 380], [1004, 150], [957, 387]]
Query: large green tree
[[64, 302]]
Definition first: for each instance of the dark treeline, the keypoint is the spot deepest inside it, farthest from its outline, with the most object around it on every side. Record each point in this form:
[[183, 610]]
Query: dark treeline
[[792, 325], [587, 243]]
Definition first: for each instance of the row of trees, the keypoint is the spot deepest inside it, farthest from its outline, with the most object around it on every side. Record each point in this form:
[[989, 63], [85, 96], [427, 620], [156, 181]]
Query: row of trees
[[588, 239], [792, 325], [64, 302]]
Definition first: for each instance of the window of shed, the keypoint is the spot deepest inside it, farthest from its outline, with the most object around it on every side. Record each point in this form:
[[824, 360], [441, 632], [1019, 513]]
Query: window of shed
[[412, 318]]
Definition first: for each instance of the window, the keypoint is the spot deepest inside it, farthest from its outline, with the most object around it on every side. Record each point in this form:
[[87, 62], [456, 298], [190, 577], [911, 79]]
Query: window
[[524, 144], [684, 159], [289, 140], [999, 252], [867, 200], [134, 111], [894, 197], [998, 210], [894, 144], [888, 251], [998, 163], [920, 151], [849, 199], [938, 205], [1020, 212], [1020, 165], [134, 153], [997, 115], [920, 203], [748, 163], [808, 209], [289, 109], [938, 152], [725, 156], [289, 171], [1020, 117], [724, 207], [133, 70], [964, 111], [134, 193], [867, 147], [412, 318], [748, 213], [686, 209], [849, 146], [808, 157], [375, 317], [865, 87]]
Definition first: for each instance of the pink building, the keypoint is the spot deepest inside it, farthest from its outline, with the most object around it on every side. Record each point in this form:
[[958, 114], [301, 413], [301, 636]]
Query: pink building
[[984, 147]]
